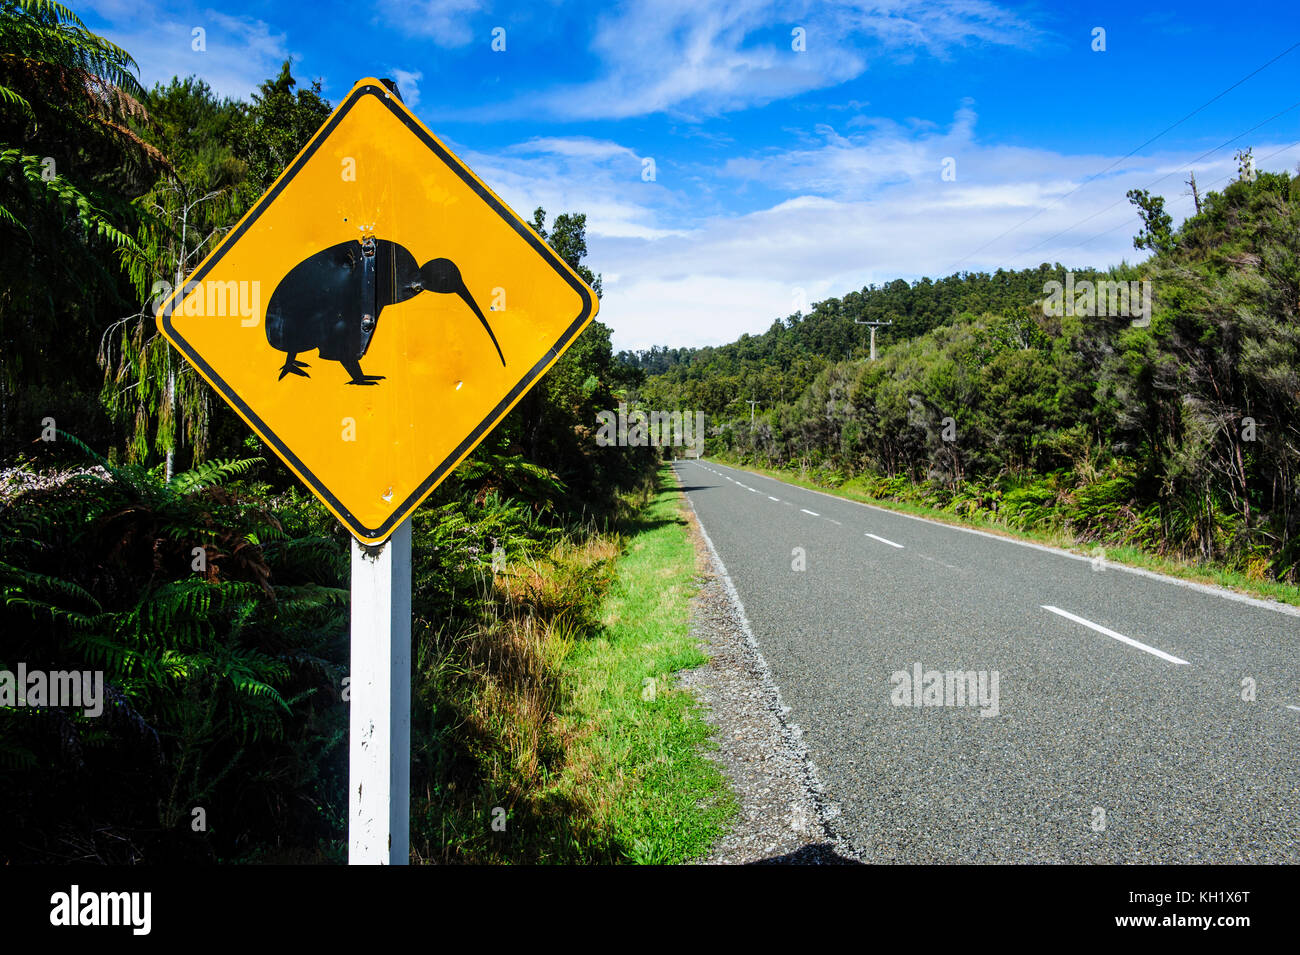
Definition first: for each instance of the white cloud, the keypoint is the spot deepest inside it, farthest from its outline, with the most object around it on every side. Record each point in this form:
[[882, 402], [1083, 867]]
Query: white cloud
[[446, 22], [240, 52], [697, 309], [600, 178], [733, 274], [681, 57], [582, 147], [676, 275], [408, 84], [936, 27], [859, 165]]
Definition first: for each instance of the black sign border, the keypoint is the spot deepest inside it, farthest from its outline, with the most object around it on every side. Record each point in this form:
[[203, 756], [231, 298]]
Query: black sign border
[[317, 486]]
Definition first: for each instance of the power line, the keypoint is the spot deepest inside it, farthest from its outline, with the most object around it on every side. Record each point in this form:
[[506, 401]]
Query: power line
[[1227, 142], [1207, 185], [1128, 155]]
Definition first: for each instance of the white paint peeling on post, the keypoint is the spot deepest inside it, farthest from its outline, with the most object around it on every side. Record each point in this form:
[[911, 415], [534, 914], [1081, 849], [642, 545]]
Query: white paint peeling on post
[[379, 747]]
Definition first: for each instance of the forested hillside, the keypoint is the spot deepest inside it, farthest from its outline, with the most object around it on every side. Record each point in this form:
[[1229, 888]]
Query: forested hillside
[[781, 363], [1180, 437]]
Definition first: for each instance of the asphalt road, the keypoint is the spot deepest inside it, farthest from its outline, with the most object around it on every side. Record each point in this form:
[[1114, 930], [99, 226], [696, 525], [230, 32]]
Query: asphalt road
[[1128, 743]]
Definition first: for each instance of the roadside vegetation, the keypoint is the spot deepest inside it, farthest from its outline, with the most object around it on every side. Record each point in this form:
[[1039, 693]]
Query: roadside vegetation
[[551, 730], [1175, 443]]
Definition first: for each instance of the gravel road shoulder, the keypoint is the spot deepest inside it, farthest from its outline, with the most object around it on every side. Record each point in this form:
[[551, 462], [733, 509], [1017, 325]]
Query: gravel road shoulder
[[783, 817]]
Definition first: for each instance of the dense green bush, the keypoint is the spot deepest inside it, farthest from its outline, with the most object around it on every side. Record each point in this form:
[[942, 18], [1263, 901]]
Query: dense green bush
[[221, 631]]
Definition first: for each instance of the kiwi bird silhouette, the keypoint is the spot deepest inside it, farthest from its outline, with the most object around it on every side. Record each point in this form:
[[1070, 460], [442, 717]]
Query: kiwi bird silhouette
[[331, 302]]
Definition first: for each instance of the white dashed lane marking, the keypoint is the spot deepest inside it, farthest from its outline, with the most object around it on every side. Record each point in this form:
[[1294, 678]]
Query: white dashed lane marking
[[1118, 636]]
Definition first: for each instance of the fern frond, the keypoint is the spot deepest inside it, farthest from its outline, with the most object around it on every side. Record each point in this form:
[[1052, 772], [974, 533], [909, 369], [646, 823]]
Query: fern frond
[[211, 474]]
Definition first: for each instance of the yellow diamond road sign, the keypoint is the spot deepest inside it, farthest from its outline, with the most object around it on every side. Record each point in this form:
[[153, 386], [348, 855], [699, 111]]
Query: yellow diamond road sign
[[376, 313]]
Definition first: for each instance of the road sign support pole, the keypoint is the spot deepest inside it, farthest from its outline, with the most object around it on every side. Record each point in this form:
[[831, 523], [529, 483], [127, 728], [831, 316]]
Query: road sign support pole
[[379, 746]]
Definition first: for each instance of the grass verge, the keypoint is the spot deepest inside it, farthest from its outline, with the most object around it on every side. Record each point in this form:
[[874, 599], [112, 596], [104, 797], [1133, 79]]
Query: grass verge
[[1053, 537], [554, 731]]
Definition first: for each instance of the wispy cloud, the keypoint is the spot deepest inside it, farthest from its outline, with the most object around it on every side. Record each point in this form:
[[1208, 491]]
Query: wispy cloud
[[600, 178], [234, 53], [448, 23], [575, 147], [855, 165], [675, 276], [408, 84], [677, 57]]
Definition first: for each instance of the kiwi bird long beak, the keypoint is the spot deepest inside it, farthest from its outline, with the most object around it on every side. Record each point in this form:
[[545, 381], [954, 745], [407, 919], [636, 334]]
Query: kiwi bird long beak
[[441, 275]]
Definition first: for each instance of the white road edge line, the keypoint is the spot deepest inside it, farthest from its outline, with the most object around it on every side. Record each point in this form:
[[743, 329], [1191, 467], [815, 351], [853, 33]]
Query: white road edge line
[[806, 511], [884, 541], [1111, 633], [793, 732], [1212, 591]]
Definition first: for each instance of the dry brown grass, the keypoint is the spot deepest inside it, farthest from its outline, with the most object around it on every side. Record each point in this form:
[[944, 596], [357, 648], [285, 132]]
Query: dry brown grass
[[503, 683]]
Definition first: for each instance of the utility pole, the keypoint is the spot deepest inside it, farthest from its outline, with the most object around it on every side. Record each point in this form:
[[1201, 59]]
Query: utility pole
[[751, 404], [874, 326]]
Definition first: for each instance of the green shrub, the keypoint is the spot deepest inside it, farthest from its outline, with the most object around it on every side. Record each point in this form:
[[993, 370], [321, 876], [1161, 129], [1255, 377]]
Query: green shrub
[[222, 671]]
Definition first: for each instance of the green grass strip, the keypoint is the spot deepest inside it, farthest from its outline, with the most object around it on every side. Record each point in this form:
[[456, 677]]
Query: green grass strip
[[662, 800]]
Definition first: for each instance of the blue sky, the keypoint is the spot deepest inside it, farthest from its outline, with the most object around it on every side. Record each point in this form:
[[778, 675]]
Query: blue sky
[[785, 176]]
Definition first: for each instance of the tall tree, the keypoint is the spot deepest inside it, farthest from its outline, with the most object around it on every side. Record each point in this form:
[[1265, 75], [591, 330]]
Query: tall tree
[[1157, 225], [160, 400], [275, 127], [70, 162], [227, 155]]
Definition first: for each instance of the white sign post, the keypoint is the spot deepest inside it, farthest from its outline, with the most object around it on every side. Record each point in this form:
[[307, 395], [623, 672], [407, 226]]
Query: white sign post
[[379, 743]]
